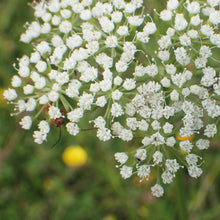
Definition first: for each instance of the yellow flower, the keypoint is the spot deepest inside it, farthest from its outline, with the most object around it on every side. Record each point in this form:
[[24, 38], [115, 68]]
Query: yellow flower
[[74, 156], [180, 138]]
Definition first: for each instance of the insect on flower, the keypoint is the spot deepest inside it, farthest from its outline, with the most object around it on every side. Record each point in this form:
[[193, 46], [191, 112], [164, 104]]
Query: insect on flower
[[137, 158], [58, 122]]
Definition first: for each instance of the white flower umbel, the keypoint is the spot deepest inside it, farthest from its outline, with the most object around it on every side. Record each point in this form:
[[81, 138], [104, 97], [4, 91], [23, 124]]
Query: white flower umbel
[[93, 61]]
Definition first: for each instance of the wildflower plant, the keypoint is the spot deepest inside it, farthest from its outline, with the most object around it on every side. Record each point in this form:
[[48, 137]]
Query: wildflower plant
[[152, 80]]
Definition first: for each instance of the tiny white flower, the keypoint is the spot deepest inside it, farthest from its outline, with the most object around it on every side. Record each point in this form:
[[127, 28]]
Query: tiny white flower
[[157, 190], [141, 154], [16, 81], [210, 130], [39, 137], [121, 157], [10, 94], [44, 126], [143, 172], [116, 110], [167, 177], [26, 122], [192, 159], [167, 128], [126, 172], [202, 144], [104, 134], [65, 27], [194, 171], [157, 157], [54, 112], [72, 128], [186, 146]]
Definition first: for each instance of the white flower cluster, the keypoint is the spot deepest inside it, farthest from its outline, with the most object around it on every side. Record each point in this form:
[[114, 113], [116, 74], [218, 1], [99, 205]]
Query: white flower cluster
[[180, 90], [91, 56]]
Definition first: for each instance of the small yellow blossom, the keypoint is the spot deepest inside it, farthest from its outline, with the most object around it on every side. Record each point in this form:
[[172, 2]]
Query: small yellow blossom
[[180, 138], [74, 156]]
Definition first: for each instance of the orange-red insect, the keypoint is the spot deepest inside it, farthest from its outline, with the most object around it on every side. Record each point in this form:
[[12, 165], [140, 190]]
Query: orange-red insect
[[58, 122]]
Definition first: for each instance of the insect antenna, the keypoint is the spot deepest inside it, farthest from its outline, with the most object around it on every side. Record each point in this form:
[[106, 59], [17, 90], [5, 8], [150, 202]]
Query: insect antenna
[[60, 134]]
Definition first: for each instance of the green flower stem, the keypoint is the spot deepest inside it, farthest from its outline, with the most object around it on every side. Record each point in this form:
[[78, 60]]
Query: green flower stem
[[39, 112], [65, 103], [107, 112], [182, 211], [158, 176]]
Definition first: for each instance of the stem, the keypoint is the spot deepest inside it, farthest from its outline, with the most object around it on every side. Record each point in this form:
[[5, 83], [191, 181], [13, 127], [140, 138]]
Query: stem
[[182, 211], [65, 103], [38, 113]]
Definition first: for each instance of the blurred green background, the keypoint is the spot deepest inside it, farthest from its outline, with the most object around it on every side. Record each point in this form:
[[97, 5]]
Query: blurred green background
[[36, 184]]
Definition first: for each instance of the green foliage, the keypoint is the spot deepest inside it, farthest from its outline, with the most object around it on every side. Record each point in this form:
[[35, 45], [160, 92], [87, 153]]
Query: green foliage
[[36, 184]]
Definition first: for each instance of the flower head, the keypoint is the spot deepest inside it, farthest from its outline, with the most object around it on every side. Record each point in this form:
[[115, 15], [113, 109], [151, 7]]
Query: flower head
[[90, 58]]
